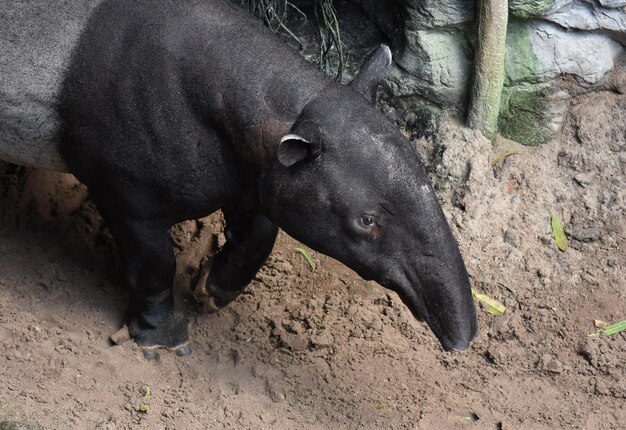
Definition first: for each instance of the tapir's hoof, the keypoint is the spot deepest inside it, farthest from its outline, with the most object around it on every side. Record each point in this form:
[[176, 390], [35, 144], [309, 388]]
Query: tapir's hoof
[[183, 350], [152, 352], [173, 337], [211, 298]]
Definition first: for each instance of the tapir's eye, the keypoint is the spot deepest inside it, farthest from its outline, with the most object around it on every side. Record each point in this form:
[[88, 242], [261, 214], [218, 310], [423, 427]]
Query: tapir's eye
[[367, 221], [366, 226]]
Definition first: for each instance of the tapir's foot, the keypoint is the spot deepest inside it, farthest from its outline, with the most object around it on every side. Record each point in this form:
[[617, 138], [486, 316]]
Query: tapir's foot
[[210, 297], [173, 337]]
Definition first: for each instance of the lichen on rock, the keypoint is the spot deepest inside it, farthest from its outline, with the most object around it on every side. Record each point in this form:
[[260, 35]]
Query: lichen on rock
[[525, 90], [522, 114], [529, 8], [439, 61]]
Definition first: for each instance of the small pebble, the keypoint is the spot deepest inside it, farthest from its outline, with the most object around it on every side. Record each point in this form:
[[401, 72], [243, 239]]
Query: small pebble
[[590, 234], [550, 364]]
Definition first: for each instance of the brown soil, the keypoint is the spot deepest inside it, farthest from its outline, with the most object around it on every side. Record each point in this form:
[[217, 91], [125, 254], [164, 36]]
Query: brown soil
[[321, 348]]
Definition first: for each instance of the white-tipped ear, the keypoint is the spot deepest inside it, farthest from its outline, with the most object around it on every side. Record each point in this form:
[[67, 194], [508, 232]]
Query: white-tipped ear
[[293, 136], [372, 72], [292, 149]]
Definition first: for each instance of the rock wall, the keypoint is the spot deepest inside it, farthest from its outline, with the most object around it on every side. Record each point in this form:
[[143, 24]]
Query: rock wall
[[555, 49]]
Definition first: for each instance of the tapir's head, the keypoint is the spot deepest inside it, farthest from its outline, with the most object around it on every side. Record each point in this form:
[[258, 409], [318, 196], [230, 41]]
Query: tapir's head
[[348, 184]]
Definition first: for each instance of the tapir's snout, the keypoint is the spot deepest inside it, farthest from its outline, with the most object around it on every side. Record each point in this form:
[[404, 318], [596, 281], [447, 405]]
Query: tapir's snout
[[439, 293], [439, 287], [432, 280], [445, 303], [455, 327], [455, 331]]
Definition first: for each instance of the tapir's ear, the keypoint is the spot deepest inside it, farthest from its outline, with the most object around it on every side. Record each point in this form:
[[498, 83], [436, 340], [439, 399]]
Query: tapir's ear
[[372, 71], [293, 149]]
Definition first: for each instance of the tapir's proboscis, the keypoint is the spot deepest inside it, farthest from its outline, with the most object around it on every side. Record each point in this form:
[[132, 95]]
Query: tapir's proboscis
[[169, 110]]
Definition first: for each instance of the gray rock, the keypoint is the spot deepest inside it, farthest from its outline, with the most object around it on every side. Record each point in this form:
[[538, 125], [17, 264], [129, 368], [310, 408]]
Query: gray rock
[[438, 13], [509, 237], [433, 51], [433, 57], [539, 53], [532, 109], [613, 3], [325, 339], [583, 179], [438, 63], [586, 55], [590, 234], [591, 16]]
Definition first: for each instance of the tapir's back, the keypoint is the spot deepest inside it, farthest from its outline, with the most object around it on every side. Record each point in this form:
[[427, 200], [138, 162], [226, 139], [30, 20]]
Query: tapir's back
[[36, 41]]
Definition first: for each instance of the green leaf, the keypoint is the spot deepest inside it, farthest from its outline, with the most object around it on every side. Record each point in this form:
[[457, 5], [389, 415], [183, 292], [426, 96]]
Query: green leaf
[[145, 401], [493, 306], [506, 287], [307, 256], [502, 157], [558, 232], [610, 330]]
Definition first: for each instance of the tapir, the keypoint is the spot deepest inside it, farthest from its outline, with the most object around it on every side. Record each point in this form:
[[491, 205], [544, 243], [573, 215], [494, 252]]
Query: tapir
[[169, 110]]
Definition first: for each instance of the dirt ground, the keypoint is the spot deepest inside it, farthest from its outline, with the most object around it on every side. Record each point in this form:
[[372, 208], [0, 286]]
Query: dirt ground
[[321, 348]]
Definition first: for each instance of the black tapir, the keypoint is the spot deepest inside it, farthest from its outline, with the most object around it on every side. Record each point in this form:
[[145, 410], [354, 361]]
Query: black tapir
[[169, 110]]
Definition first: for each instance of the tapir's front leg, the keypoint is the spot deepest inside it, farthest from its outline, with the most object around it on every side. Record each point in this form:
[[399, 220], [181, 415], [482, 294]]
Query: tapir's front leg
[[250, 238], [146, 252]]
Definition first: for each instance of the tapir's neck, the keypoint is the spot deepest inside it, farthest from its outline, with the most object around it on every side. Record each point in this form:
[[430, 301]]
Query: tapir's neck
[[244, 81]]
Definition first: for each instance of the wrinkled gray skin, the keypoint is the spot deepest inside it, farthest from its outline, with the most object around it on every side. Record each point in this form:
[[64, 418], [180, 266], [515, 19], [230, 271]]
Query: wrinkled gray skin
[[172, 109]]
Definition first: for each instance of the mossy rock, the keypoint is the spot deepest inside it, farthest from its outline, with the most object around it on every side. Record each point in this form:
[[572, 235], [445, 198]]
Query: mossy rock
[[520, 62], [525, 102], [523, 114], [529, 8]]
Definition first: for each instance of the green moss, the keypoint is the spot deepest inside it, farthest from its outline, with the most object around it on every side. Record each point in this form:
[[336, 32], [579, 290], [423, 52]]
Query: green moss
[[523, 105], [520, 62], [529, 8], [523, 115]]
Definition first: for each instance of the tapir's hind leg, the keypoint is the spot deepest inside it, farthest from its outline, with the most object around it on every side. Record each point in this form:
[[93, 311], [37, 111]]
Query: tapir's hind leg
[[146, 252], [250, 238]]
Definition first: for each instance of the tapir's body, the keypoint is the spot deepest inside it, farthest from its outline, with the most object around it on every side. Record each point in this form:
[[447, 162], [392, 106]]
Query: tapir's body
[[171, 109], [188, 96]]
